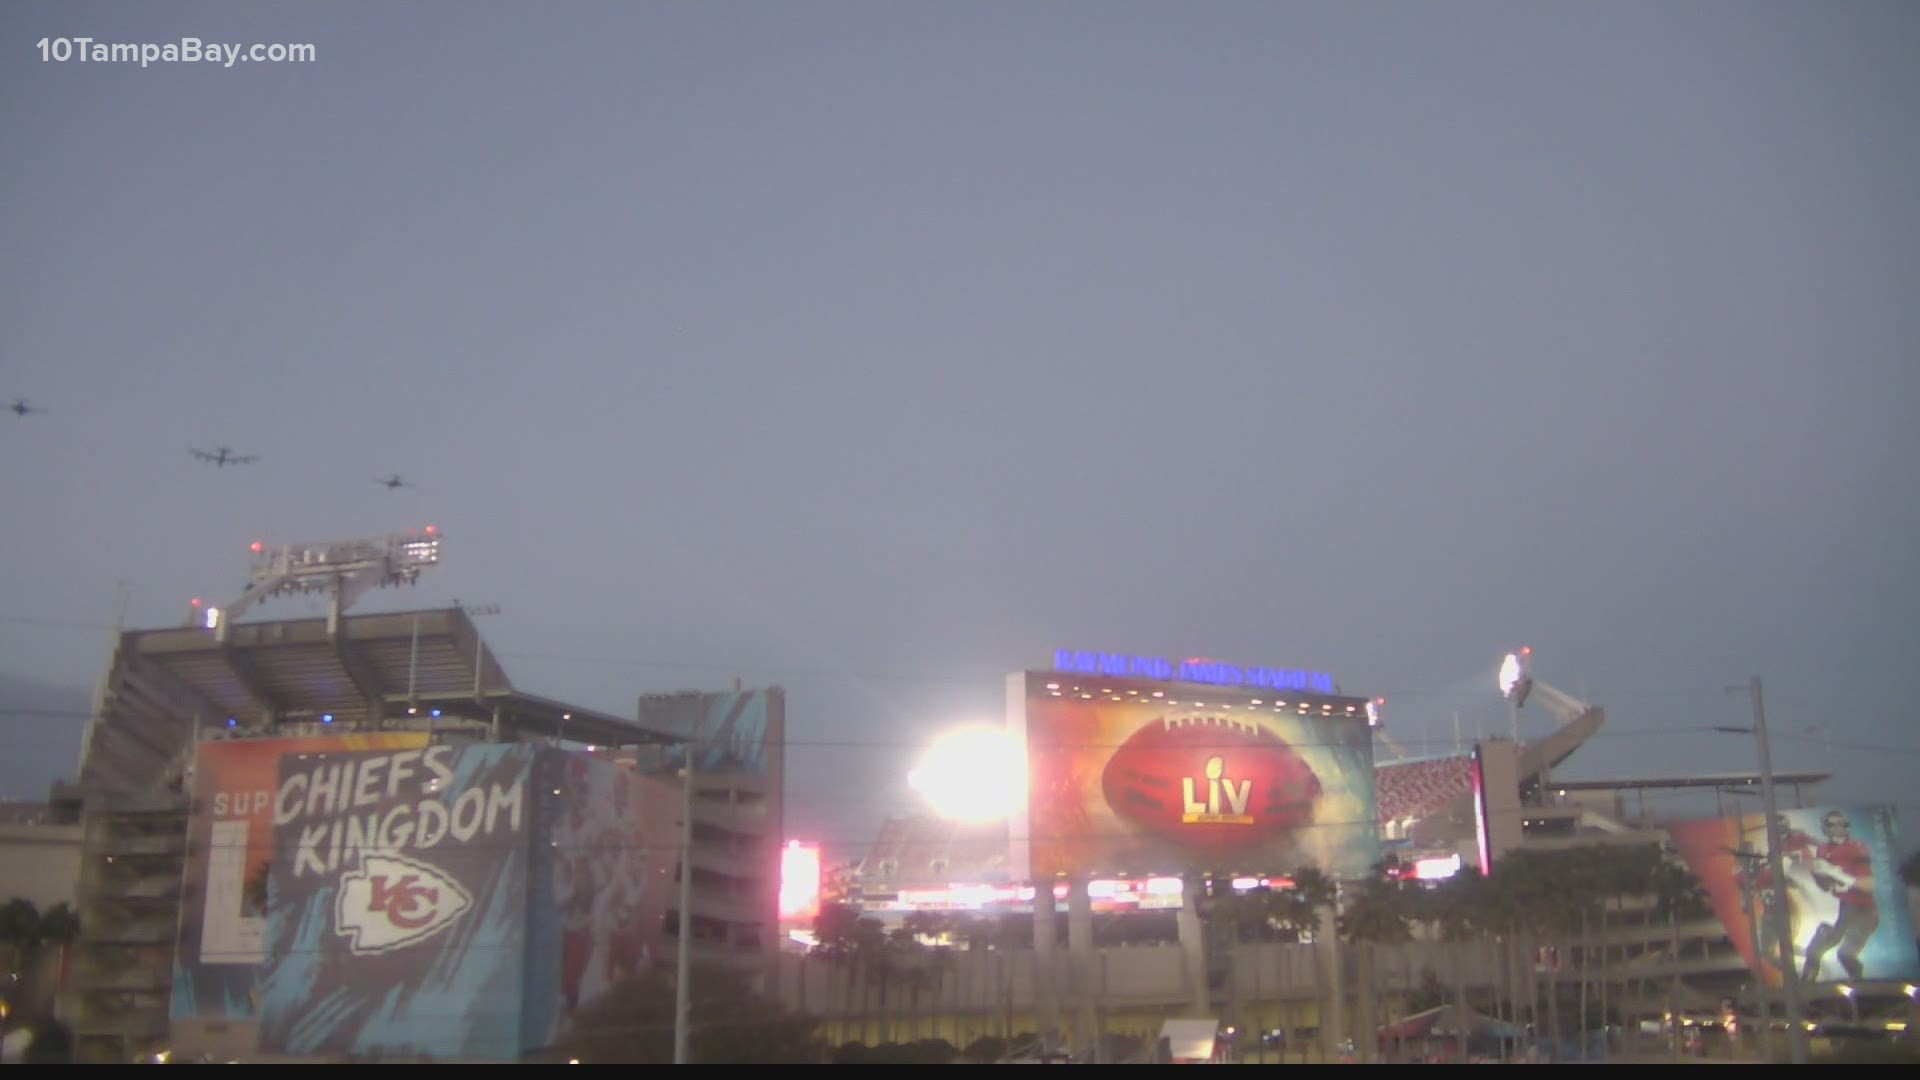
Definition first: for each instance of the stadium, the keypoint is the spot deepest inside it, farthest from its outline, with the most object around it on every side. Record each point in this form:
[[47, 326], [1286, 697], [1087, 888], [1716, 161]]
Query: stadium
[[1120, 819], [361, 818]]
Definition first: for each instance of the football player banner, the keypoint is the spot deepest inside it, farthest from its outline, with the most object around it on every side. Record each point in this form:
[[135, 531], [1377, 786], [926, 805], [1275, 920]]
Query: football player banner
[[600, 886], [397, 919], [1847, 908], [1159, 778]]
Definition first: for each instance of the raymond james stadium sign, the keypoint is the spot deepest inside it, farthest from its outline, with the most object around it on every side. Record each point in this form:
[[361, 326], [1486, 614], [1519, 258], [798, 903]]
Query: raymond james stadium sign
[[1198, 671]]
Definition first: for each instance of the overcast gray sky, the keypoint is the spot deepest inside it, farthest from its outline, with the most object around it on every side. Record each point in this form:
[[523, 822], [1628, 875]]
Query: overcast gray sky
[[877, 350]]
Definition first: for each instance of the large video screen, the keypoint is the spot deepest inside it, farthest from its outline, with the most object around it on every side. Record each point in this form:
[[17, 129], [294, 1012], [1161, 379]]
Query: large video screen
[[1146, 777], [1847, 908]]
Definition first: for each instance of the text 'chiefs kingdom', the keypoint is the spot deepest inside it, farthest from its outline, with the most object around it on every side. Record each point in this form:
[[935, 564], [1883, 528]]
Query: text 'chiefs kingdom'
[[339, 793]]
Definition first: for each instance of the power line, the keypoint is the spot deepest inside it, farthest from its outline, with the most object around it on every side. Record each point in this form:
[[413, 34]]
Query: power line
[[1872, 748], [846, 744], [42, 620], [977, 677], [519, 842]]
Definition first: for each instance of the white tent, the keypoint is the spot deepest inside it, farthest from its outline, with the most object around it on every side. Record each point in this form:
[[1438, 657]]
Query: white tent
[[1190, 1041]]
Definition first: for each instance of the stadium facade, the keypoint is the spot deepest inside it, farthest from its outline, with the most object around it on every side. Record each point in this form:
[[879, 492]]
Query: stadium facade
[[1113, 788], [354, 838]]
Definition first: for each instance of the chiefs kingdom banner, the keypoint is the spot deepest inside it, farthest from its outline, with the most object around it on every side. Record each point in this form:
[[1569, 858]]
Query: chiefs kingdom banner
[[222, 942], [457, 902]]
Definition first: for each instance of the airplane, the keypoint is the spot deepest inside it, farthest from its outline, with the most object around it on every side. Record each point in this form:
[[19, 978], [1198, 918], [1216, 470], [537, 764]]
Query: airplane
[[221, 456], [393, 481], [21, 408]]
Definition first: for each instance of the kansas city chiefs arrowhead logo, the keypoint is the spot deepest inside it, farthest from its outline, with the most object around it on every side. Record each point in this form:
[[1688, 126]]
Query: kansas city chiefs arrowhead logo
[[393, 902]]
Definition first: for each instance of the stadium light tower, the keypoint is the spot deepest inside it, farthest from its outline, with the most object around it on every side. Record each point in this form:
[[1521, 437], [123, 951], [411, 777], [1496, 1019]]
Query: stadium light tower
[[973, 774], [1515, 685], [343, 569]]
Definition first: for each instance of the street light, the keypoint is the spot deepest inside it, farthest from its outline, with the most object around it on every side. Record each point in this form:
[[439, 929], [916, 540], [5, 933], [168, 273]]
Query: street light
[[1776, 866]]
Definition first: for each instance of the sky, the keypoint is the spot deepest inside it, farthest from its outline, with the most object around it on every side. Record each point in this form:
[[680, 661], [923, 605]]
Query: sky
[[878, 350]]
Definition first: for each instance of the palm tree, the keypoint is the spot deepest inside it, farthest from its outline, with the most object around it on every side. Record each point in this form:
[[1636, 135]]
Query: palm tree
[[1556, 897], [1559, 896], [733, 1024], [846, 940], [919, 967], [1311, 904], [59, 925], [1375, 913], [1231, 918], [19, 930], [1227, 918], [873, 962], [1011, 930], [973, 935], [1624, 872], [1448, 910], [1493, 907]]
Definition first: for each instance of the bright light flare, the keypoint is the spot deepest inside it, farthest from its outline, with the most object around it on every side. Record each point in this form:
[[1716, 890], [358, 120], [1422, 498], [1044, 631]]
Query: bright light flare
[[1510, 673], [972, 775], [799, 881]]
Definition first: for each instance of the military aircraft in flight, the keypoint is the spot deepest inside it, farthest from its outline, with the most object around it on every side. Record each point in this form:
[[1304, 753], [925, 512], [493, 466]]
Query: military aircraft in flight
[[221, 457]]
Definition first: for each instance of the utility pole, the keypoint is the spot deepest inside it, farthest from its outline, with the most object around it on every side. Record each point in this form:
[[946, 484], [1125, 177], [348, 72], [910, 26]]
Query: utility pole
[[1782, 923], [683, 983], [1748, 857]]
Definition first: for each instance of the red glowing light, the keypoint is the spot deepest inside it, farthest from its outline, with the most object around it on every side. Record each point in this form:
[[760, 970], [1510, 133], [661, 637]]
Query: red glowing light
[[431, 530], [256, 547], [1526, 650], [196, 601]]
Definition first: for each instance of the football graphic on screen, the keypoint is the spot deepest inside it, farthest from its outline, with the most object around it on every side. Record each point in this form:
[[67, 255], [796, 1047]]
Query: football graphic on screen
[[1210, 782]]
